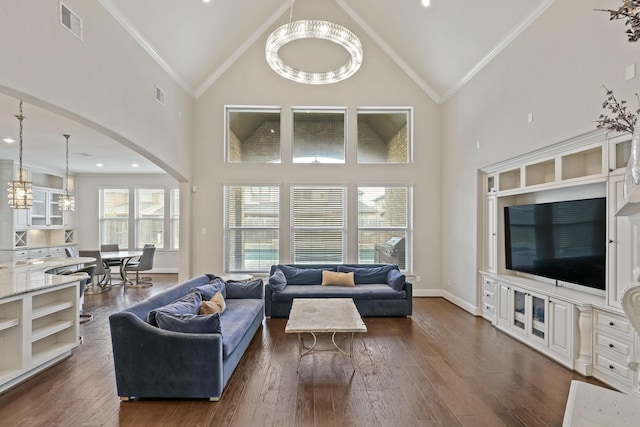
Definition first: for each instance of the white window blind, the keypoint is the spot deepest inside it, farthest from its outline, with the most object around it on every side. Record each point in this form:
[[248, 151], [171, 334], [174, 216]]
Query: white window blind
[[252, 222], [150, 217], [114, 216], [319, 224], [384, 220]]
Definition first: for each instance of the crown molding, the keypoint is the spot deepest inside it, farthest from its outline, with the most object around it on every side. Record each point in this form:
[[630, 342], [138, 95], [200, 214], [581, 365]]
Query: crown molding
[[389, 51], [528, 20], [133, 31], [243, 48]]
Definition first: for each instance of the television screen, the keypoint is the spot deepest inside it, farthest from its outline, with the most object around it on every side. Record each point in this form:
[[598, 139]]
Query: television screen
[[564, 241]]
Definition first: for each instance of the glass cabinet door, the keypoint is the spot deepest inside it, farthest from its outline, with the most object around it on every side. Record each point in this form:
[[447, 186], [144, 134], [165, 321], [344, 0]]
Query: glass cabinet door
[[519, 309], [39, 207], [538, 325], [55, 214]]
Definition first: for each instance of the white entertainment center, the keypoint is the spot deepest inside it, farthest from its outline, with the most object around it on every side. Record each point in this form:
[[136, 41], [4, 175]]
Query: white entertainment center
[[585, 330]]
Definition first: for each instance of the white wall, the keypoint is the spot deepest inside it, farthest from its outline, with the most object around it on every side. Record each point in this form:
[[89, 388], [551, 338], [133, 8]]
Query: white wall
[[106, 81], [88, 205], [555, 69], [379, 82]]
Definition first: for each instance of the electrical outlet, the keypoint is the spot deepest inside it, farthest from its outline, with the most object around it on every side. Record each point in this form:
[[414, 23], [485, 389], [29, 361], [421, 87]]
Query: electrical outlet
[[418, 279]]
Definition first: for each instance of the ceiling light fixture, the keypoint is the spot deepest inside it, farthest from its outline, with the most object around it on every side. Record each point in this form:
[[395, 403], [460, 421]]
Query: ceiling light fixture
[[135, 165], [20, 191], [67, 202], [99, 165], [9, 140], [313, 29], [426, 3]]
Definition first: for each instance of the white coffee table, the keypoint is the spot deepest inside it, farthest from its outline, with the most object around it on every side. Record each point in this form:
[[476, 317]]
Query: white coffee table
[[324, 316]]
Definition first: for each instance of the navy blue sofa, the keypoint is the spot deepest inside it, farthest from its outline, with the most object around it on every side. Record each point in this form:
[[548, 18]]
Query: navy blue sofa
[[155, 363], [373, 298]]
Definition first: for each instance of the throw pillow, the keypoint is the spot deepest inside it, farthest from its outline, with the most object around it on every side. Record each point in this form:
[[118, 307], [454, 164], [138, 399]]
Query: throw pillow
[[332, 278], [188, 304], [396, 280], [215, 305], [302, 276], [189, 323], [369, 275], [243, 290], [277, 282], [217, 284]]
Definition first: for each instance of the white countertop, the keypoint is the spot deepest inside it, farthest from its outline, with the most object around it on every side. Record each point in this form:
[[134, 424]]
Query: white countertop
[[19, 277]]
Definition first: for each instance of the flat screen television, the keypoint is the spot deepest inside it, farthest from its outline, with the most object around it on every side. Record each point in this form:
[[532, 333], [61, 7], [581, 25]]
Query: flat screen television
[[564, 241]]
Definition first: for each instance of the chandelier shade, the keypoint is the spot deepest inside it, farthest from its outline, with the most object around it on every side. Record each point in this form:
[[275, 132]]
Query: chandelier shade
[[314, 29], [20, 191]]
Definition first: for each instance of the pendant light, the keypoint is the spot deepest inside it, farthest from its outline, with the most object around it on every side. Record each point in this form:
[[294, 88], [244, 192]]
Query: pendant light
[[20, 191], [67, 202]]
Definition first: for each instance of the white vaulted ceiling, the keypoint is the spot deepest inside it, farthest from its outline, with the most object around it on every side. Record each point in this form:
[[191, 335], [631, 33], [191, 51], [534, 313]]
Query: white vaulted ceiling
[[440, 47]]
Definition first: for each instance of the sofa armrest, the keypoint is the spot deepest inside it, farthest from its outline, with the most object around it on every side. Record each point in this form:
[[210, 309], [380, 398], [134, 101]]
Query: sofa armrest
[[408, 288], [151, 362]]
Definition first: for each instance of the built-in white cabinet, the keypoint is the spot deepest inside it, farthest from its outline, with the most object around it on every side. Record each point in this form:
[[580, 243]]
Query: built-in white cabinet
[[45, 211], [36, 330], [624, 239], [614, 347], [586, 331], [544, 321]]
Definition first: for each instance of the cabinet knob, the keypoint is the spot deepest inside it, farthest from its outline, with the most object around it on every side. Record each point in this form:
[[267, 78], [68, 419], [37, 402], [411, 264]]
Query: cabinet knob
[[611, 367], [610, 241], [611, 345], [611, 324]]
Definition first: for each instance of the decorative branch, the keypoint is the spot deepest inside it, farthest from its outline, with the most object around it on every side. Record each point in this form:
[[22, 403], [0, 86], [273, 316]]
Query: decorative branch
[[623, 119], [630, 10]]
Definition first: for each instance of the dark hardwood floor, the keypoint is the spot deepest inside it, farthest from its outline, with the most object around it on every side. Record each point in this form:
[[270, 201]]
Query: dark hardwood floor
[[442, 367]]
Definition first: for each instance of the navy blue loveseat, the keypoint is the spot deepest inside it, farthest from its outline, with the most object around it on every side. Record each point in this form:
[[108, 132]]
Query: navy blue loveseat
[[158, 363], [372, 294]]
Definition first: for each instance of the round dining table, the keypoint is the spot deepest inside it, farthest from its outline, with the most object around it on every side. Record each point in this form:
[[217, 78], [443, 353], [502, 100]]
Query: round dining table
[[124, 257]]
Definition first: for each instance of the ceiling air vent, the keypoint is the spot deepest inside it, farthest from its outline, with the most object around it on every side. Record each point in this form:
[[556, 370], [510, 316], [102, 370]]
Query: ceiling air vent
[[70, 21], [159, 95]]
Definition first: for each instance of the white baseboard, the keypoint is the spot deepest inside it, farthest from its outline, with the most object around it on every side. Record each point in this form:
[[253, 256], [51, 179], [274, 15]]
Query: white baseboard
[[162, 271], [431, 293]]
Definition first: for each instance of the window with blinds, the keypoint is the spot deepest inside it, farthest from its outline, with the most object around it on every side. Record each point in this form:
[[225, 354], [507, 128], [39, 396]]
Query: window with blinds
[[384, 225], [252, 223], [150, 217], [114, 216], [318, 219]]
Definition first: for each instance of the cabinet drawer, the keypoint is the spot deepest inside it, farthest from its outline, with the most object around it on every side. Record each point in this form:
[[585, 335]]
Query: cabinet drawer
[[613, 344], [488, 283], [607, 322], [38, 253], [614, 369], [58, 251], [488, 296]]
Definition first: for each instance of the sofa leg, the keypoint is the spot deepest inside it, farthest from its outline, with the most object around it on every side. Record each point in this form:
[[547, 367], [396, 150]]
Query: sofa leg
[[124, 398], [214, 399]]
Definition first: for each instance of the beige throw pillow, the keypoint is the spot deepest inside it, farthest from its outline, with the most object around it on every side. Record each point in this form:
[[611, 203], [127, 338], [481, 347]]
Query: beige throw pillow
[[216, 305], [332, 278]]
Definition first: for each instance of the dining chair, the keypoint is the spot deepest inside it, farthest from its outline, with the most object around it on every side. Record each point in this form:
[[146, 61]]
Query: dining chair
[[102, 272], [145, 263], [70, 251], [90, 271], [111, 247]]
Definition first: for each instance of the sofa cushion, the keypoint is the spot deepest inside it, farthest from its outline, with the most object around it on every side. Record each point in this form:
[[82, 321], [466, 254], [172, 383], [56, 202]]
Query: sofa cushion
[[214, 305], [359, 292], [302, 276], [333, 278], [369, 275], [250, 289], [188, 304], [211, 288], [189, 323], [235, 321], [396, 279], [277, 281]]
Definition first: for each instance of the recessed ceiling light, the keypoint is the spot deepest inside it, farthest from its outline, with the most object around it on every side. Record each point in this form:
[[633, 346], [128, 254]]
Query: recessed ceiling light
[[99, 165], [9, 140], [135, 165], [206, 1], [426, 3]]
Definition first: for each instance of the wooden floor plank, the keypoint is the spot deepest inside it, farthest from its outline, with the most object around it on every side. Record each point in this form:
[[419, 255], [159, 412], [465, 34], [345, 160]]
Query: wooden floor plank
[[441, 367]]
